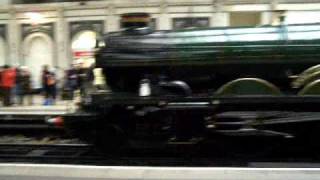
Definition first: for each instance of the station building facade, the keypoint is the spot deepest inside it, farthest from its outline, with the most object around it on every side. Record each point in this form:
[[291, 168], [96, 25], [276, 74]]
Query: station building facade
[[60, 33]]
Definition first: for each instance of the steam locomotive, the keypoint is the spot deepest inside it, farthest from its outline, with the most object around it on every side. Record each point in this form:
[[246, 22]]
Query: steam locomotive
[[196, 85]]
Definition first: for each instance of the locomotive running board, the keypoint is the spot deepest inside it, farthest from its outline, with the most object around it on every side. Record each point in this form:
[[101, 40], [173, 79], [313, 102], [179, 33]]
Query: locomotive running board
[[220, 104]]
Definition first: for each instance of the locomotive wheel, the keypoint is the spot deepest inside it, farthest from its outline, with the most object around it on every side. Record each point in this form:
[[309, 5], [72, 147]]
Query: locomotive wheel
[[248, 86], [308, 79], [312, 88], [306, 76], [110, 138]]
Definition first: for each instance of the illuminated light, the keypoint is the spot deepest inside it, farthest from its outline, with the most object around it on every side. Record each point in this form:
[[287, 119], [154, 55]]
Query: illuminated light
[[85, 40], [57, 121], [35, 18], [145, 89], [101, 43]]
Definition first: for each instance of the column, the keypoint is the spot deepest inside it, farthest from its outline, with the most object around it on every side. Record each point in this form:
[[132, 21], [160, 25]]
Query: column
[[14, 57], [113, 21], [164, 18], [266, 18], [63, 60], [219, 18], [274, 14]]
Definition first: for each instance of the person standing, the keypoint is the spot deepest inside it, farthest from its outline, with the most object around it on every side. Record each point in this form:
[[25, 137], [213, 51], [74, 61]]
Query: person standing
[[17, 88], [1, 88], [24, 80], [8, 78], [48, 85], [82, 77], [72, 79]]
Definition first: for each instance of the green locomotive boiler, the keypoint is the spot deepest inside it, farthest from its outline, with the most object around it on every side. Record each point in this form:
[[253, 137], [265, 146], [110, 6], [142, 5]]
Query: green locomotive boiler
[[213, 59]]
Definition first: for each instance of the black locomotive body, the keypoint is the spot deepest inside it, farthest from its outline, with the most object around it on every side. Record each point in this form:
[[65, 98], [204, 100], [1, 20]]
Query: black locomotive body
[[205, 85]]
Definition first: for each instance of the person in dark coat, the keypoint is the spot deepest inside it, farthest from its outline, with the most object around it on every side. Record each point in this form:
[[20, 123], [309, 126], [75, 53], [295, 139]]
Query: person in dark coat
[[72, 76], [48, 85], [24, 83], [70, 83], [82, 78]]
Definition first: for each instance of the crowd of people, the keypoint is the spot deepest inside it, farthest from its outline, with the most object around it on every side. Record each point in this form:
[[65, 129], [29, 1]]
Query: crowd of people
[[16, 84], [77, 78]]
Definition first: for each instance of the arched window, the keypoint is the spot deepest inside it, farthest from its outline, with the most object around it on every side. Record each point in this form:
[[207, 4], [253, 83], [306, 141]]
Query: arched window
[[83, 44], [38, 51]]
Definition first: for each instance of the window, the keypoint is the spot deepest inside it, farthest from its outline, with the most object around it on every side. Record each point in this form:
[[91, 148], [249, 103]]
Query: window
[[190, 22], [245, 18]]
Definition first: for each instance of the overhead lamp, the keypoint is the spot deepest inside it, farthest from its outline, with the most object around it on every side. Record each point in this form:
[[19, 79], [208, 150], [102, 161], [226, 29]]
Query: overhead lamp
[[35, 18]]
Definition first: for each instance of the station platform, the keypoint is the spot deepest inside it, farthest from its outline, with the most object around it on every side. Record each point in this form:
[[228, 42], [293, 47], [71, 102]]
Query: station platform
[[37, 108], [71, 172]]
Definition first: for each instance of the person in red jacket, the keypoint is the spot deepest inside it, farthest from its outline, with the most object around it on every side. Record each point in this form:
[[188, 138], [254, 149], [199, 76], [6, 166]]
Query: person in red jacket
[[8, 79]]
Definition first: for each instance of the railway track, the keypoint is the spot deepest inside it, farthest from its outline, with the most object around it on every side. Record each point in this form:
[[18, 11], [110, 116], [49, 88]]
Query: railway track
[[42, 153], [32, 128], [45, 144], [86, 154]]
